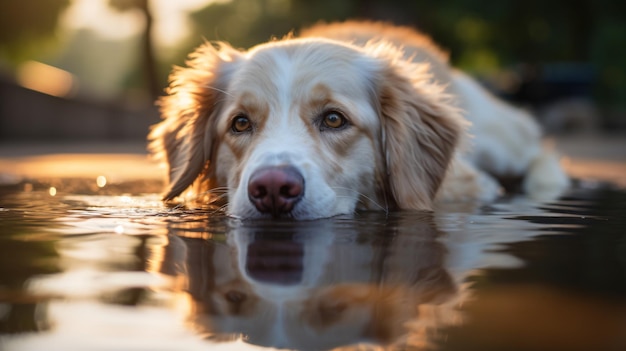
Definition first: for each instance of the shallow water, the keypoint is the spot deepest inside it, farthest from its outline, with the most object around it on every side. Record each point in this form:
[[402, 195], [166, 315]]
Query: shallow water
[[90, 267]]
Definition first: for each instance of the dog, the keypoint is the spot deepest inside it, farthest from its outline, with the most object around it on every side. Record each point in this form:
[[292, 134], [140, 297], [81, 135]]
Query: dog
[[343, 117]]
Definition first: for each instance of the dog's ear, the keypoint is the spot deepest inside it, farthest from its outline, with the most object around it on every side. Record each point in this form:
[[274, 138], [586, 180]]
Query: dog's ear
[[194, 97], [420, 130]]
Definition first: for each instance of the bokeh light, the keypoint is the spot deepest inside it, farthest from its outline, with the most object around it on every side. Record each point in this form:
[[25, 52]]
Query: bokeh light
[[101, 181]]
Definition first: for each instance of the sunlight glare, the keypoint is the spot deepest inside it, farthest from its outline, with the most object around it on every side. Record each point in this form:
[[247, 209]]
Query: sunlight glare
[[170, 26], [101, 181], [119, 229], [171, 23], [98, 16], [52, 191], [46, 79]]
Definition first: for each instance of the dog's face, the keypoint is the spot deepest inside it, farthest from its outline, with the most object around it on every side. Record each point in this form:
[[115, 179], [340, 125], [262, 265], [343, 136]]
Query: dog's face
[[296, 136], [306, 128]]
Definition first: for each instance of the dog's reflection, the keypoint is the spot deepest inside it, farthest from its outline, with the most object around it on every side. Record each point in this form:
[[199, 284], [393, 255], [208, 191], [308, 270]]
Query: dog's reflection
[[315, 285]]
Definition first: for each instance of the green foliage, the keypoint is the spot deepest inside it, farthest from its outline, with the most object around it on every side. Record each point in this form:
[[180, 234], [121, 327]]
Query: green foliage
[[245, 23], [608, 51], [124, 5], [499, 32], [27, 24], [482, 36]]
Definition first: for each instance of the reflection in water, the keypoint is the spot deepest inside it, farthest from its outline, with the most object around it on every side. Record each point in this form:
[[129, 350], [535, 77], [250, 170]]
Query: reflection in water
[[318, 285], [107, 269]]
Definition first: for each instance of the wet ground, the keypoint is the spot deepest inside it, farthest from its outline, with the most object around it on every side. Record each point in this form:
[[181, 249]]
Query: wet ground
[[90, 259]]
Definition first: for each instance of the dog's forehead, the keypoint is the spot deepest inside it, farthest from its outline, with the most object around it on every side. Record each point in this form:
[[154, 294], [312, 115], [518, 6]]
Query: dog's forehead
[[297, 66]]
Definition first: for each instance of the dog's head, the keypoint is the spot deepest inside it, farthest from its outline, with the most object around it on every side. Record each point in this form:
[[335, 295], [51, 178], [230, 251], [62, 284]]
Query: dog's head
[[306, 128]]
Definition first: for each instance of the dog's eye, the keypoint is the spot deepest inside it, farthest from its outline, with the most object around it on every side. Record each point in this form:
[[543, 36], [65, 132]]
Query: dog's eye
[[240, 124], [333, 120]]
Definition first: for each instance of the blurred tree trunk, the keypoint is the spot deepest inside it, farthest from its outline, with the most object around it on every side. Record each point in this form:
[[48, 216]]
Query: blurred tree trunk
[[147, 47], [148, 60]]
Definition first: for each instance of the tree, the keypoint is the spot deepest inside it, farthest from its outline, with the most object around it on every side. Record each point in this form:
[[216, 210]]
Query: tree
[[148, 63]]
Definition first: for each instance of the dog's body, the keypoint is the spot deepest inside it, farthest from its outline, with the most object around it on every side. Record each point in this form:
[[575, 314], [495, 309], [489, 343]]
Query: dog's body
[[349, 116]]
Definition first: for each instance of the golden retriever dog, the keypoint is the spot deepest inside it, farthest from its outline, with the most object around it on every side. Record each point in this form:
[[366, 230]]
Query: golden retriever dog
[[347, 116]]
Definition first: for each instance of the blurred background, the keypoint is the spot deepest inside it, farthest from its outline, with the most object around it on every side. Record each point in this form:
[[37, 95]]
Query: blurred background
[[92, 69]]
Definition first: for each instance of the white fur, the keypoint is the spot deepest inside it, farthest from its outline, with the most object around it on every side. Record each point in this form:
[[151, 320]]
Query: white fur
[[286, 141], [507, 141]]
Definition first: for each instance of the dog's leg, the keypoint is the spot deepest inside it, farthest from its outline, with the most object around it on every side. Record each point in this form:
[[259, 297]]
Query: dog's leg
[[545, 178], [464, 182], [507, 142]]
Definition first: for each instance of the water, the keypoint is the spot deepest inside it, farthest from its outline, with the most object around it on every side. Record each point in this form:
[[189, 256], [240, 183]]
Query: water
[[87, 266]]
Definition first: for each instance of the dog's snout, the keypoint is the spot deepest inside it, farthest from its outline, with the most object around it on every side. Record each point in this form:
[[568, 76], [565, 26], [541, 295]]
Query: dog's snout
[[276, 189]]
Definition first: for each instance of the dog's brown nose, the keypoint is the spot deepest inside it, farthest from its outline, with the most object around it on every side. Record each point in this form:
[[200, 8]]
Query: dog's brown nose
[[276, 189]]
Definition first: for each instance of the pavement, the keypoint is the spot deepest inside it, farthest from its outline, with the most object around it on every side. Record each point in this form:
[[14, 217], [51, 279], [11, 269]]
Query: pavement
[[590, 156], [594, 156]]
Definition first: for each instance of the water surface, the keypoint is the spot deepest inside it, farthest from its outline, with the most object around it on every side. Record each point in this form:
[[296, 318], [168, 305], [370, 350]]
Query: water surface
[[92, 266]]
